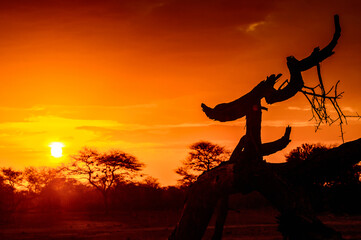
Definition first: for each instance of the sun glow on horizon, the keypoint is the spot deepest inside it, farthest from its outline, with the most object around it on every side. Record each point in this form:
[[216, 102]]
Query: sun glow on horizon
[[56, 149]]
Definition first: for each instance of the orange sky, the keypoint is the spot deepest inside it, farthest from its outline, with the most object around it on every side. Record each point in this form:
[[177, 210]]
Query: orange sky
[[131, 75]]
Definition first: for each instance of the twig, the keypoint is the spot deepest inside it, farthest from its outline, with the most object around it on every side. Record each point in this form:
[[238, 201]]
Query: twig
[[317, 97]]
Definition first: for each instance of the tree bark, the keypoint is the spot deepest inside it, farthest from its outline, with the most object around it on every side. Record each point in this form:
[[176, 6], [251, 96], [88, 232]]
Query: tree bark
[[222, 212], [105, 195]]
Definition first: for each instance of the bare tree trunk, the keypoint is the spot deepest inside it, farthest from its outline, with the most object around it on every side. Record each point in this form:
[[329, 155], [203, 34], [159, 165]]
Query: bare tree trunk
[[201, 201], [222, 212], [106, 202]]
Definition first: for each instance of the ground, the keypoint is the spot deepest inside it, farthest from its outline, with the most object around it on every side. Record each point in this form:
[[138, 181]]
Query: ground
[[150, 225]]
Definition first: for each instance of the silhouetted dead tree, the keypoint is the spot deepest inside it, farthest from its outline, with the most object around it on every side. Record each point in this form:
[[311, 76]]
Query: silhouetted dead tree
[[246, 171]]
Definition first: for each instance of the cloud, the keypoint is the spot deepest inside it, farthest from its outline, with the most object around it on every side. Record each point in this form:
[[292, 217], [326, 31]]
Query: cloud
[[137, 127], [294, 108], [284, 123], [36, 123], [252, 27], [11, 109], [198, 14], [155, 129], [348, 109], [36, 132], [88, 107], [168, 14], [158, 25]]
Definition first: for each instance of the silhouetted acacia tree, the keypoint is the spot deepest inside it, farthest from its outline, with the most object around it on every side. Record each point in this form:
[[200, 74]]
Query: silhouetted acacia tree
[[101, 170], [203, 156]]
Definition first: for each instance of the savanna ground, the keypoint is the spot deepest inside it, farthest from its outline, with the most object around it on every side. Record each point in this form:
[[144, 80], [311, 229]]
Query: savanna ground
[[138, 225]]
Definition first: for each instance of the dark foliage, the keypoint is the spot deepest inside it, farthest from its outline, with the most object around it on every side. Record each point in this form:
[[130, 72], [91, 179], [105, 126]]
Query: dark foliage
[[305, 152], [60, 193], [339, 193], [138, 196]]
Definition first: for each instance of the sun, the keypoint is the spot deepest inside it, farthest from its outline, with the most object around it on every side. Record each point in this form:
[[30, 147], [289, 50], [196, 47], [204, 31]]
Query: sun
[[56, 149]]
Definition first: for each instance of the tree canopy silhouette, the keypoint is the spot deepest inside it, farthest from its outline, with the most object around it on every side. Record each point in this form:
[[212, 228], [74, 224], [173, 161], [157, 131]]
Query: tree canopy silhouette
[[305, 152], [101, 170], [203, 157], [11, 177], [330, 192]]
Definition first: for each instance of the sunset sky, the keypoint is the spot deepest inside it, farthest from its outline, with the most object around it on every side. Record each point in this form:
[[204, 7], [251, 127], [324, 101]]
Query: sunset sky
[[131, 75]]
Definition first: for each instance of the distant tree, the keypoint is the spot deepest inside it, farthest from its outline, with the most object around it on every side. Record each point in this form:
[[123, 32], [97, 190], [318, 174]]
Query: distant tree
[[151, 182], [9, 180], [202, 157], [12, 181], [101, 170], [11, 177], [31, 180], [36, 179], [25, 185], [187, 176], [6, 196], [305, 152]]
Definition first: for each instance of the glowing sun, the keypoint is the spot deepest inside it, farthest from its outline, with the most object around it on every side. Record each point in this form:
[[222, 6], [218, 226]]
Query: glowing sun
[[56, 149]]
